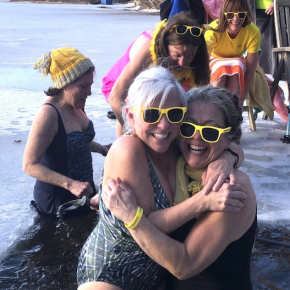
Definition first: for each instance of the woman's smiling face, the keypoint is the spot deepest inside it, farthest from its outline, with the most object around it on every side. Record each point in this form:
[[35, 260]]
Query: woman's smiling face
[[234, 26], [197, 152], [157, 136]]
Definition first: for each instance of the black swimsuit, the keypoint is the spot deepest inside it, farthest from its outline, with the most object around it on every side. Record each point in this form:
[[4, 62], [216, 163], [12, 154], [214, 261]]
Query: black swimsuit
[[230, 271], [69, 155]]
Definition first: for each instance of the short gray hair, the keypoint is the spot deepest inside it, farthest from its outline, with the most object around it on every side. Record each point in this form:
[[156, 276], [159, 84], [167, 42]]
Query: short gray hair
[[226, 101], [151, 83]]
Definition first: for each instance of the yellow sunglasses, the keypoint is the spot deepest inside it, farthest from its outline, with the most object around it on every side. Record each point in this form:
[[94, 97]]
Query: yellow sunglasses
[[153, 115], [182, 29], [231, 15], [209, 134]]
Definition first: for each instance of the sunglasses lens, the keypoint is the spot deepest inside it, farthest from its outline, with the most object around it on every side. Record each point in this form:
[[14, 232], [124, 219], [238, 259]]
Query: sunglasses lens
[[181, 29], [242, 15], [195, 31], [187, 130], [175, 115], [151, 115], [230, 15], [210, 134]]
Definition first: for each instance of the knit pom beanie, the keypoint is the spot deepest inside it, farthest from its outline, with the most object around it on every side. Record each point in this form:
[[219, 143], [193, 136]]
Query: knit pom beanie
[[65, 65]]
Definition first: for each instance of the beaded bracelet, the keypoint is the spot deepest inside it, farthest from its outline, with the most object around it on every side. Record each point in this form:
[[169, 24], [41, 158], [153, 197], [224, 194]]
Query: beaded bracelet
[[236, 156], [136, 219]]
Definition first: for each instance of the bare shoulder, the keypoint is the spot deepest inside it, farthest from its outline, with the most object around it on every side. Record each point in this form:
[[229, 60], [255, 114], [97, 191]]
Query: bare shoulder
[[128, 145], [127, 160], [140, 47], [243, 179], [45, 121], [46, 113], [234, 225], [126, 152]]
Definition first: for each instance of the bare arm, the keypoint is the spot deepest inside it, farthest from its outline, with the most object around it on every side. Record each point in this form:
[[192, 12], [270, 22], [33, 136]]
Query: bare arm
[[43, 130], [117, 195], [139, 57], [123, 160], [210, 235], [251, 64], [99, 148]]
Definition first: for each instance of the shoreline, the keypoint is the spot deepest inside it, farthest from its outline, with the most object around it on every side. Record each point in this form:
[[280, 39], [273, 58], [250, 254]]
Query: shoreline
[[126, 6]]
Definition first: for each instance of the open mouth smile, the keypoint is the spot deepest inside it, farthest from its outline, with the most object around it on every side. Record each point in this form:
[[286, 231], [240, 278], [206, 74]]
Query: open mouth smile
[[197, 149], [160, 136]]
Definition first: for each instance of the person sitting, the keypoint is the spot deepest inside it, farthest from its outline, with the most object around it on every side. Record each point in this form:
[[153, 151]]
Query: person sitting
[[217, 249], [177, 43], [154, 110], [60, 142], [228, 38]]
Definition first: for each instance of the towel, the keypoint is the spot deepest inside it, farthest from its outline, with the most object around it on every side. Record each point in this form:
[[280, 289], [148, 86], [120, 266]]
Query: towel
[[184, 188], [259, 94]]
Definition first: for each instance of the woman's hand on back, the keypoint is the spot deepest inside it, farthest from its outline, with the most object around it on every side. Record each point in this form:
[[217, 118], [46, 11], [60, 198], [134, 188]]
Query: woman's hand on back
[[229, 198], [216, 174], [222, 169], [120, 200]]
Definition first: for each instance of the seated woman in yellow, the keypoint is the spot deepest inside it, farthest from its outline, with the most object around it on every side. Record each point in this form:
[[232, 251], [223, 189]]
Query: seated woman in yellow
[[228, 38]]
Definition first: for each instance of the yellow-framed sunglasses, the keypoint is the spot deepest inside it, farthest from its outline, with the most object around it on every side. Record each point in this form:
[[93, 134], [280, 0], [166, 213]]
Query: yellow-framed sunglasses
[[182, 29], [153, 115], [231, 15], [209, 134]]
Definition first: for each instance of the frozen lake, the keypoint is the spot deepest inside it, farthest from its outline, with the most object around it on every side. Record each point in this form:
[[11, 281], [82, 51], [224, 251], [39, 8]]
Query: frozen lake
[[27, 31]]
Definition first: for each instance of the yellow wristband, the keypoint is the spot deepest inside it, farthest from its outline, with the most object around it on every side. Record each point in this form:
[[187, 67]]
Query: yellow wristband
[[136, 219]]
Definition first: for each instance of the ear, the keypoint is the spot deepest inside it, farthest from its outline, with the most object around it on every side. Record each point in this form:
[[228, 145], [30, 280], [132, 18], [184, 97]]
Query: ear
[[130, 117]]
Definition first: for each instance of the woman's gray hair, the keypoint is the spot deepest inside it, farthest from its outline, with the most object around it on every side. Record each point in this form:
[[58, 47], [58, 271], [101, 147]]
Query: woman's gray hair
[[151, 83], [226, 101]]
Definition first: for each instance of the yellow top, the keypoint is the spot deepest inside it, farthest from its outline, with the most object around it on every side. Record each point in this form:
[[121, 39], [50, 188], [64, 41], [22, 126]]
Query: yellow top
[[263, 4], [221, 45]]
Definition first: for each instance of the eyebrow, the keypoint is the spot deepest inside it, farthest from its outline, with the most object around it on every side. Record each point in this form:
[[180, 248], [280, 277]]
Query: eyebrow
[[209, 121]]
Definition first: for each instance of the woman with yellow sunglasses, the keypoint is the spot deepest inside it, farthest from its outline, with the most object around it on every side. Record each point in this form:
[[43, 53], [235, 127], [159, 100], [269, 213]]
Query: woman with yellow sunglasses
[[217, 246], [177, 44], [146, 160], [228, 38]]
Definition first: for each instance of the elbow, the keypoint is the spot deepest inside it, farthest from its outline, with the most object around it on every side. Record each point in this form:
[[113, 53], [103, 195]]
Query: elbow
[[25, 167], [110, 101], [183, 271], [182, 274]]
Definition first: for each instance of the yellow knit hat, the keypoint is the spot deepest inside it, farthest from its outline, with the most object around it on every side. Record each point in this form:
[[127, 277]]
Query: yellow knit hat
[[65, 65]]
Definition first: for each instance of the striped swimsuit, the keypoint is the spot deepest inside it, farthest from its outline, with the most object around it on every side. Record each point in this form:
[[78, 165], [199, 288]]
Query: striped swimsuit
[[111, 255]]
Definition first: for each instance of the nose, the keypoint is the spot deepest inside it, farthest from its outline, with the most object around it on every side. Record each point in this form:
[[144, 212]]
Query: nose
[[197, 135], [181, 60], [163, 122], [89, 92]]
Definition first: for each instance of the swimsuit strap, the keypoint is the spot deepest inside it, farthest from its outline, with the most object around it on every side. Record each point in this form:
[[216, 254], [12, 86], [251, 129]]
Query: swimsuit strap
[[146, 34], [61, 127]]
